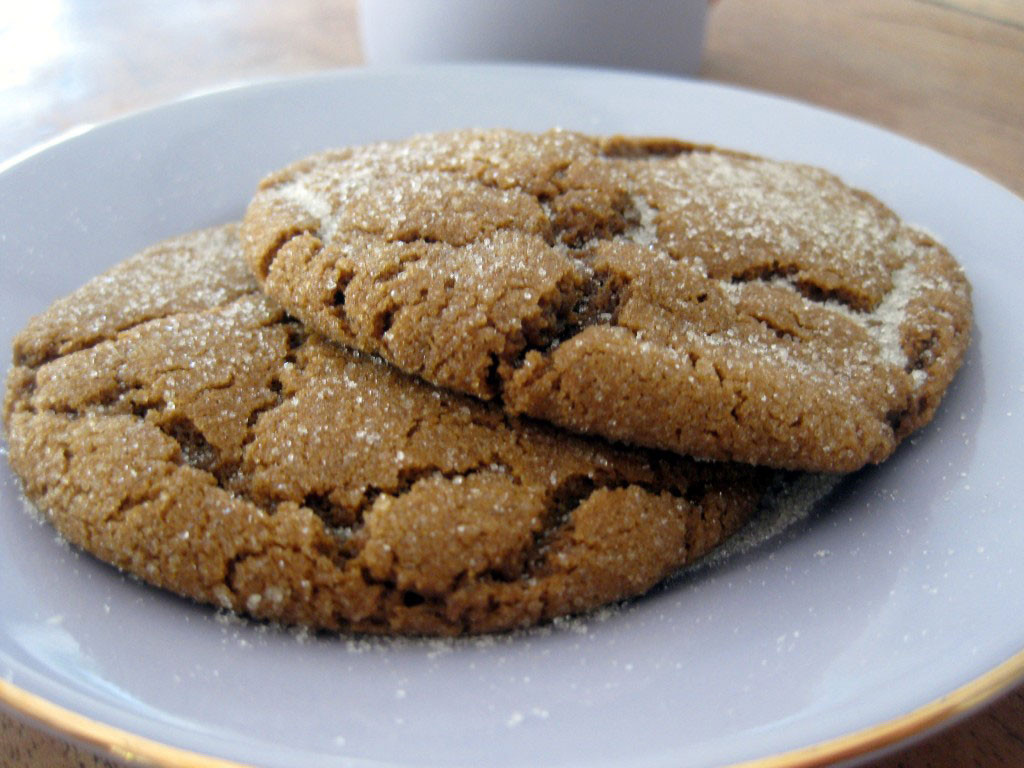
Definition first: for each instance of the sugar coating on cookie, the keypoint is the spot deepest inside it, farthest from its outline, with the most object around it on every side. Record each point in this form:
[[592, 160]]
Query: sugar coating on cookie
[[169, 418], [651, 291]]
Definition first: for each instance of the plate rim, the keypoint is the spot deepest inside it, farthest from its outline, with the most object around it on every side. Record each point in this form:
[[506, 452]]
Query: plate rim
[[235, 86], [121, 744]]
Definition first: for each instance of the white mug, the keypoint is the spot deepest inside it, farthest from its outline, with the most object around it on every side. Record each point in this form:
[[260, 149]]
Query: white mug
[[653, 35]]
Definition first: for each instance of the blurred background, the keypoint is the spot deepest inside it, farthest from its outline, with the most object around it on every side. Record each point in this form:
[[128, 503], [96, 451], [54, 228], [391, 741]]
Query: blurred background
[[947, 73]]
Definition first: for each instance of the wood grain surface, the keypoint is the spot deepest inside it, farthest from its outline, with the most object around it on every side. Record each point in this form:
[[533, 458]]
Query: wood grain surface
[[947, 73]]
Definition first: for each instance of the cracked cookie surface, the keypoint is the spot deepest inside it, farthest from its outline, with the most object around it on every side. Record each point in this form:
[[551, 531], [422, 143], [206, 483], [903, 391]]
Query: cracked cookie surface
[[648, 290], [171, 419]]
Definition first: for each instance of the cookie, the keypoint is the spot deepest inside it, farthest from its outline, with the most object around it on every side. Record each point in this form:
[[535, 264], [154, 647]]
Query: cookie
[[650, 291], [171, 419]]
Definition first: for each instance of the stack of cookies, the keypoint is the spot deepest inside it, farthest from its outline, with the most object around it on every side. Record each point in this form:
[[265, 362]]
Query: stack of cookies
[[473, 381]]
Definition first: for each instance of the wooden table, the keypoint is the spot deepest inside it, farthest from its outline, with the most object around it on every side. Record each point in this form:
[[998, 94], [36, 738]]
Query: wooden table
[[948, 73]]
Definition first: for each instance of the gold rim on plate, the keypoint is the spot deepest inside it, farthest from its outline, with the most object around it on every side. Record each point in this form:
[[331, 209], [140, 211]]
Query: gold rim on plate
[[130, 748]]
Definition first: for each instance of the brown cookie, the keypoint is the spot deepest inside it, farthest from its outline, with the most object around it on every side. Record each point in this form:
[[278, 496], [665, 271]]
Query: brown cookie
[[647, 290], [172, 420]]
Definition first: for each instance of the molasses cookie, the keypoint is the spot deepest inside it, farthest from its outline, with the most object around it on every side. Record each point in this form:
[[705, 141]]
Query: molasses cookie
[[650, 291], [171, 419]]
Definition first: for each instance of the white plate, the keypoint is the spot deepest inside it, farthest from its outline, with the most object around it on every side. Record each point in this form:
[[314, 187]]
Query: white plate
[[906, 587]]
